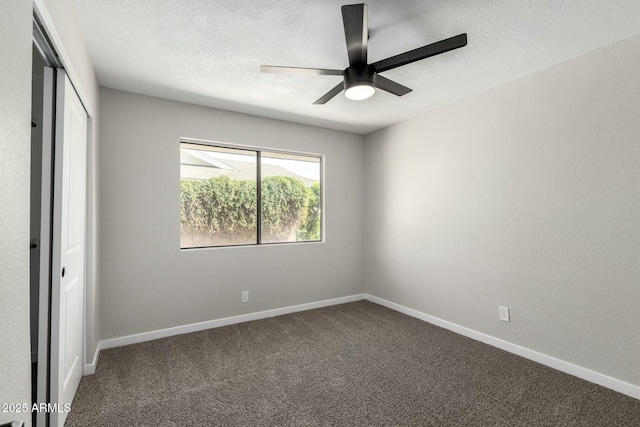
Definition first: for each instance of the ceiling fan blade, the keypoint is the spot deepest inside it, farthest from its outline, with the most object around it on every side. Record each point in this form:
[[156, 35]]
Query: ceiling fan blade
[[354, 17], [333, 92], [391, 86], [421, 53], [299, 70]]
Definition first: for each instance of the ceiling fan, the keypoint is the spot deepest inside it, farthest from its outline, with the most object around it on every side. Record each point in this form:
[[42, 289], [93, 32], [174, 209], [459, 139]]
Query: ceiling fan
[[361, 79]]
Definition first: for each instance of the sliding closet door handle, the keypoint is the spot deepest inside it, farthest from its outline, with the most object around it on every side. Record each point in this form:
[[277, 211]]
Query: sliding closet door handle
[[63, 271]]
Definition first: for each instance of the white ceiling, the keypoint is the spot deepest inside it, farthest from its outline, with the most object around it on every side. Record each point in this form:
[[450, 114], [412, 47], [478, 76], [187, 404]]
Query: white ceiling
[[209, 52]]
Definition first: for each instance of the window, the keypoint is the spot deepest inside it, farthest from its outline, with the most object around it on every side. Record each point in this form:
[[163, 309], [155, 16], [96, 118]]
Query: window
[[245, 196]]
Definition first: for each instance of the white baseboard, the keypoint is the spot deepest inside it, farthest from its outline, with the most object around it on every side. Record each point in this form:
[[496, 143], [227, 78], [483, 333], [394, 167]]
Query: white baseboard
[[195, 327], [90, 367], [561, 365], [569, 368]]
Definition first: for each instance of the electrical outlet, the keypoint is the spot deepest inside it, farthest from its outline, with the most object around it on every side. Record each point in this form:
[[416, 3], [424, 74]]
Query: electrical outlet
[[245, 296], [503, 313]]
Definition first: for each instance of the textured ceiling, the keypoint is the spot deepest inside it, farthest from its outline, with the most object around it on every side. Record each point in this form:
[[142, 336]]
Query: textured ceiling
[[209, 52]]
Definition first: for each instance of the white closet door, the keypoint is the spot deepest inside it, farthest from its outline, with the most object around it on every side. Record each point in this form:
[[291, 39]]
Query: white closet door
[[68, 264]]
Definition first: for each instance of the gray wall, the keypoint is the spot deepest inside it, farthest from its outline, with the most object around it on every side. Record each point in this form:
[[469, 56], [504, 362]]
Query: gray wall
[[526, 195], [148, 283], [15, 142]]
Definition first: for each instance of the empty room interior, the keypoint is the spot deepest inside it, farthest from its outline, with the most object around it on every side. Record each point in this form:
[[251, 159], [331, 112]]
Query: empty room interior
[[320, 213]]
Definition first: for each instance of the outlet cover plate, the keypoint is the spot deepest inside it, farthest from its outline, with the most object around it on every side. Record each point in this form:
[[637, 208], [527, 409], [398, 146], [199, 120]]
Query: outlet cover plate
[[503, 313]]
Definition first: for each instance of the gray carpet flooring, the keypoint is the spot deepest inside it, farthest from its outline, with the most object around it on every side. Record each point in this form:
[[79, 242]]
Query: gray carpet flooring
[[356, 364]]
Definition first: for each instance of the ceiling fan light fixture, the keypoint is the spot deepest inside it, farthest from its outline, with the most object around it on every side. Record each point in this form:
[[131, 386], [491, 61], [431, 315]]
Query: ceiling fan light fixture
[[359, 82], [360, 91]]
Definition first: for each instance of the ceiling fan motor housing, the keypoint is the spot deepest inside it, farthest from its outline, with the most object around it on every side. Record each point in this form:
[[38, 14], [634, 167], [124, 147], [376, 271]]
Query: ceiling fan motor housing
[[359, 75]]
